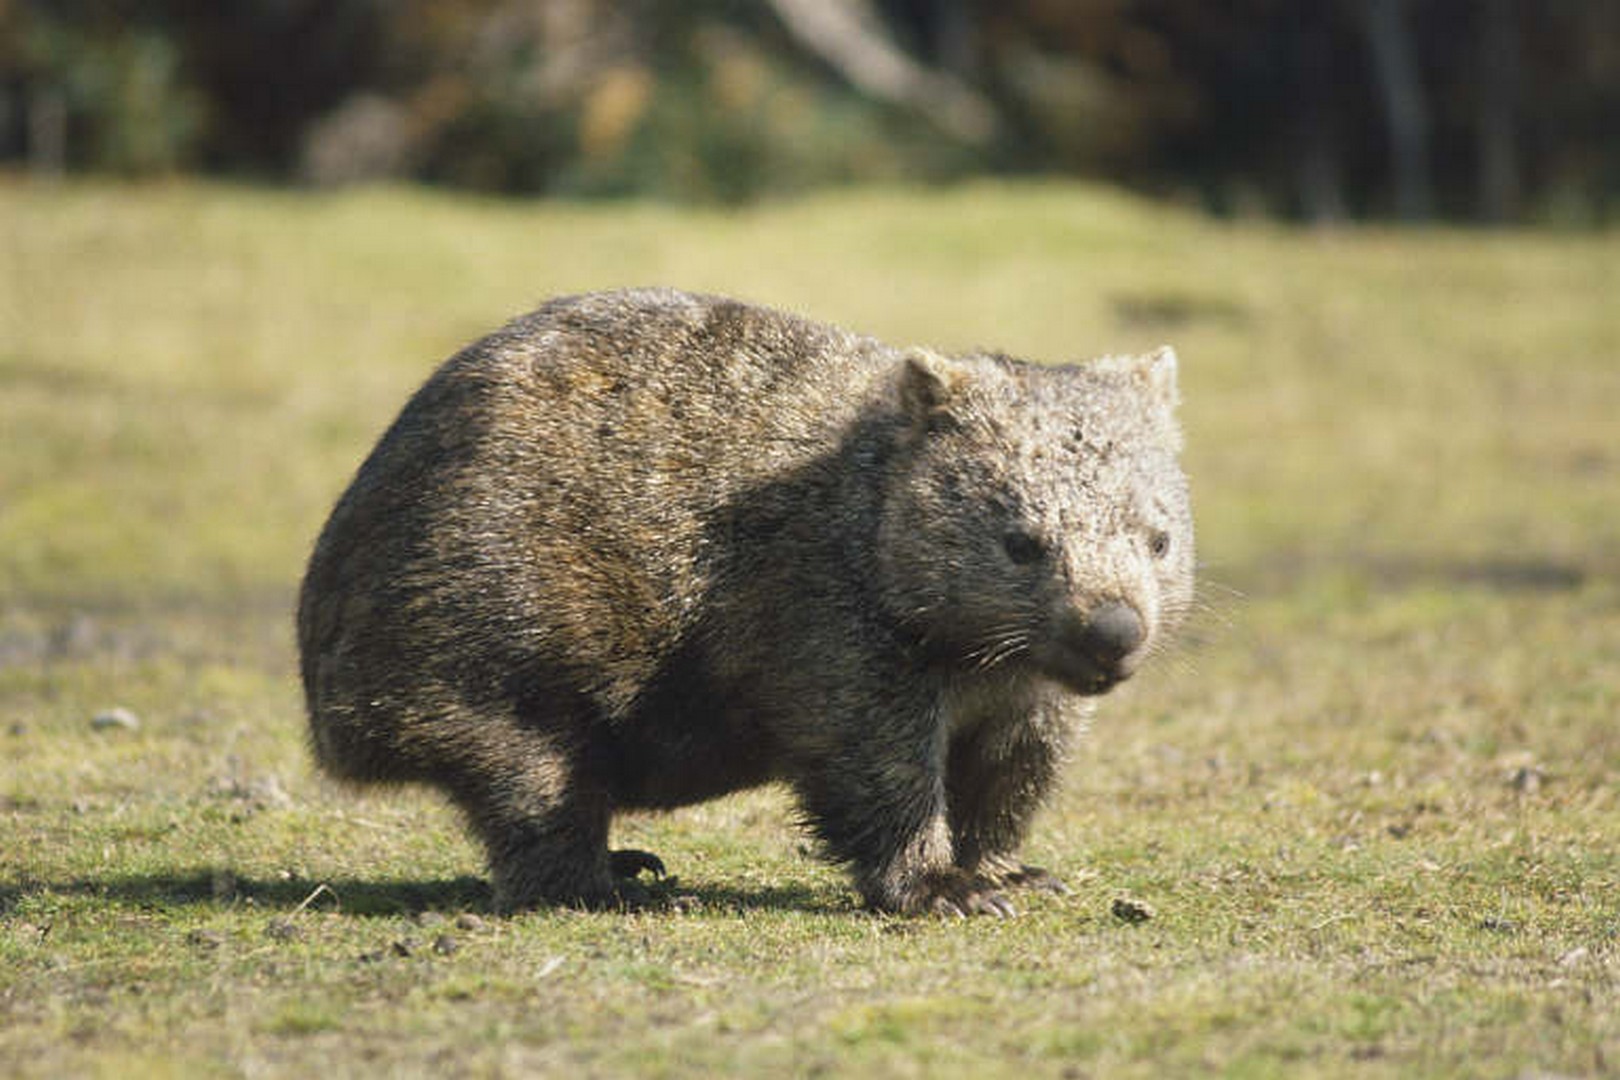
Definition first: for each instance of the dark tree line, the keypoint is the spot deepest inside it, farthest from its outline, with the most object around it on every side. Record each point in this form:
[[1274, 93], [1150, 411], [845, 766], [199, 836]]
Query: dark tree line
[[1494, 110]]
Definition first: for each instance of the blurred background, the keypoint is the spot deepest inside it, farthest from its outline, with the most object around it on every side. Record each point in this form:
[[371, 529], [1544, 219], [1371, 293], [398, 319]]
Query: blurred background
[[1463, 110]]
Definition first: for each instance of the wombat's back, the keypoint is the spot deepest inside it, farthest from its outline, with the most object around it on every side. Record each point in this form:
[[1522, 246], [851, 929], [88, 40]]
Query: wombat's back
[[537, 512]]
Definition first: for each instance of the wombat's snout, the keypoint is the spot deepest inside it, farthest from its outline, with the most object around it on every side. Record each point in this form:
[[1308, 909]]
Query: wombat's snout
[[1096, 650]]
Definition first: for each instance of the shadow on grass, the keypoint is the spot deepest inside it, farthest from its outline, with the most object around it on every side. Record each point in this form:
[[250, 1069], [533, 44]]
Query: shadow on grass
[[381, 898], [222, 888], [1506, 574]]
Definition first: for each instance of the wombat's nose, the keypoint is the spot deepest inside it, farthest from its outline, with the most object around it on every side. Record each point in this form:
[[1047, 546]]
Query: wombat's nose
[[1111, 633], [1092, 652]]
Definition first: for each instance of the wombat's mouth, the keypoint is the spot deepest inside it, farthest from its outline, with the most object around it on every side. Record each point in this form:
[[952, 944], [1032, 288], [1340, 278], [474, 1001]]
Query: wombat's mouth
[[1092, 651], [1081, 673]]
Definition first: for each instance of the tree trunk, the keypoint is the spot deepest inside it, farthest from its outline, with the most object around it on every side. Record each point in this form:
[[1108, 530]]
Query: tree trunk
[[1319, 159], [1405, 110], [47, 131], [1498, 82], [956, 39], [848, 35]]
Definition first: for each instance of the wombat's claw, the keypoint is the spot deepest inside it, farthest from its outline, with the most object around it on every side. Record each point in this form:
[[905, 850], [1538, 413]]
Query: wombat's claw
[[628, 863], [992, 903], [957, 895], [1036, 877]]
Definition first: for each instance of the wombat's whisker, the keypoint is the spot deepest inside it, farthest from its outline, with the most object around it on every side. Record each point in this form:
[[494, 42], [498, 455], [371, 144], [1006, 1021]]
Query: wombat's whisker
[[997, 645], [1006, 651]]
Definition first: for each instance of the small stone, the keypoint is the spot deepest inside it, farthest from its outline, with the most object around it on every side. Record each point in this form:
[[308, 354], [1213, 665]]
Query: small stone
[[468, 921], [1128, 910], [115, 719], [18, 729], [428, 919], [403, 947], [284, 930], [205, 939], [446, 945], [261, 793], [1526, 779], [267, 792]]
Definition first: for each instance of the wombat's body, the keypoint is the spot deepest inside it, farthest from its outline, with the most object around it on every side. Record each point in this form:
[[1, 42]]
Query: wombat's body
[[640, 549]]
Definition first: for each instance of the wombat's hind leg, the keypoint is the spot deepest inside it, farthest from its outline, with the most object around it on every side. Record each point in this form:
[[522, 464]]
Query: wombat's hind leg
[[628, 863], [552, 861], [545, 838]]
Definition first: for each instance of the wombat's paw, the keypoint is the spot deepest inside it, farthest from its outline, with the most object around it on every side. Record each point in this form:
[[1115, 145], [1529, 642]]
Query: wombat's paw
[[627, 894], [956, 893], [1024, 876], [519, 889], [628, 863]]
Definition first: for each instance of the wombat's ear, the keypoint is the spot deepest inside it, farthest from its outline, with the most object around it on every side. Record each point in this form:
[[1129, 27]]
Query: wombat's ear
[[1154, 371], [928, 385], [1159, 369]]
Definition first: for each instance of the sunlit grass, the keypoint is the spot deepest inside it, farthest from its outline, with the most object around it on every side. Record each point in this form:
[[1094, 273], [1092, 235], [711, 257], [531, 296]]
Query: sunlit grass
[[1373, 802]]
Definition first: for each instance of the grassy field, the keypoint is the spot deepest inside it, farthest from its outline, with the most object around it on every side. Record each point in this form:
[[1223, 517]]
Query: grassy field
[[1373, 801]]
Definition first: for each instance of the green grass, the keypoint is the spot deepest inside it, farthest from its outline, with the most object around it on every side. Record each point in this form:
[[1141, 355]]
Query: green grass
[[1373, 801]]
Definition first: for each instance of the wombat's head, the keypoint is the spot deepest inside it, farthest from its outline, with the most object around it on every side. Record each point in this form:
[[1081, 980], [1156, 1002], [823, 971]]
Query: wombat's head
[[1038, 517]]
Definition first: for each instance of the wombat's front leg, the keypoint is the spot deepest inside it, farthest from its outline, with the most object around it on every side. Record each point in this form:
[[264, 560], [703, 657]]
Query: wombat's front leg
[[997, 774], [879, 805]]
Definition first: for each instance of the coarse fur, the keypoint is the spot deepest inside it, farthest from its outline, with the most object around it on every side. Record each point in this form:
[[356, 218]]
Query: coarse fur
[[643, 548]]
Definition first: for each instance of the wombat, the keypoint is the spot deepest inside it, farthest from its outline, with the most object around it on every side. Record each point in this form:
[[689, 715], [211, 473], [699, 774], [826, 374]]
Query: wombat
[[639, 549]]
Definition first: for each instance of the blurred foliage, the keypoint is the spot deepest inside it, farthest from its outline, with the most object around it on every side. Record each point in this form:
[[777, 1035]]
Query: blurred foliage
[[116, 91], [1492, 109]]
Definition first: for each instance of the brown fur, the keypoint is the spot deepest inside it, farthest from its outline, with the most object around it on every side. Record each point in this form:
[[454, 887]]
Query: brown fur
[[640, 549]]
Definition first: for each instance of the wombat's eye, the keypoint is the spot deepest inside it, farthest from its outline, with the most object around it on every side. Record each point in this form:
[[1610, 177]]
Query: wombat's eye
[[1159, 543], [1023, 547]]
